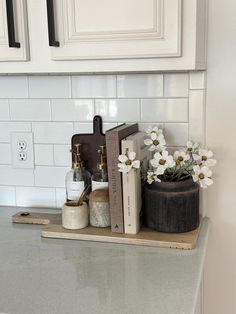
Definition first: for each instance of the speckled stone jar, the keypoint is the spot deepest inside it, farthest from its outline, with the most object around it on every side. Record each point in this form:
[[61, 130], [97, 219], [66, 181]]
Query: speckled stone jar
[[99, 210], [171, 206]]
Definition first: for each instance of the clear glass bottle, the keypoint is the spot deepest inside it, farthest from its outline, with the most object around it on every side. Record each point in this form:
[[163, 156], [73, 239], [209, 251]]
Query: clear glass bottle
[[78, 177], [100, 177]]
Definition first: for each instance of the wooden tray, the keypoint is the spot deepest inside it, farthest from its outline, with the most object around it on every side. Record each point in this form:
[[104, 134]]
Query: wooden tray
[[36, 218], [148, 237]]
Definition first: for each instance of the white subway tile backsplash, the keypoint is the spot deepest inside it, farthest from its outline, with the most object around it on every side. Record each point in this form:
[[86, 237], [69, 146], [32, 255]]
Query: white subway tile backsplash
[[60, 197], [176, 134], [164, 110], [176, 85], [35, 197], [49, 87], [62, 155], [7, 127], [55, 107], [13, 87], [197, 80], [197, 116], [117, 109], [50, 176], [5, 156], [4, 110], [145, 126], [30, 109], [7, 196], [43, 155], [94, 86], [12, 176], [80, 127], [72, 109], [142, 85], [52, 132]]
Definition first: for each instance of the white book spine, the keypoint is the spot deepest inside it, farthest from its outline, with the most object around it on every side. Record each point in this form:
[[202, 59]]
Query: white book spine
[[131, 193]]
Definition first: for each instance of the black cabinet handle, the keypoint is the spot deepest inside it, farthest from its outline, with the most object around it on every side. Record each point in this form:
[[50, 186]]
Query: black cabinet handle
[[51, 25], [10, 25]]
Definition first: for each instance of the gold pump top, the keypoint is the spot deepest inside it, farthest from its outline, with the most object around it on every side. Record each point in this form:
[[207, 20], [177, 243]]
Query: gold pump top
[[77, 163], [103, 159]]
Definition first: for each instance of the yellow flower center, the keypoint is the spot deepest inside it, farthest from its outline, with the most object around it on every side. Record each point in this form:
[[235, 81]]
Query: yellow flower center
[[156, 142], [180, 158], [201, 176], [162, 161], [204, 158], [128, 162]]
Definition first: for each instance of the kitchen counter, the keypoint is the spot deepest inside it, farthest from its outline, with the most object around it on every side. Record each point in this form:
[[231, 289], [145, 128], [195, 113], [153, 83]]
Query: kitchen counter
[[51, 276]]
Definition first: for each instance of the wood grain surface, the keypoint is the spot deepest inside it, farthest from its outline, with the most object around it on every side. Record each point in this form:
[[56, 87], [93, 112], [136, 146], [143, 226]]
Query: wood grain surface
[[90, 145], [36, 218], [147, 237]]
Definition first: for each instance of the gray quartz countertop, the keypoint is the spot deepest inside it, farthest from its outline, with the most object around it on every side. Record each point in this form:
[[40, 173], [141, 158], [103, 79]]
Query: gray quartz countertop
[[51, 276]]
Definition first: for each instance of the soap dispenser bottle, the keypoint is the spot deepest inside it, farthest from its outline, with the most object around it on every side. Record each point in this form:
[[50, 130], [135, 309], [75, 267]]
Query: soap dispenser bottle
[[100, 177], [78, 177]]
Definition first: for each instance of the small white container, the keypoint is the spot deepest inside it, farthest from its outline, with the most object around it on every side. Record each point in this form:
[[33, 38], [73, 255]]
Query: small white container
[[74, 217]]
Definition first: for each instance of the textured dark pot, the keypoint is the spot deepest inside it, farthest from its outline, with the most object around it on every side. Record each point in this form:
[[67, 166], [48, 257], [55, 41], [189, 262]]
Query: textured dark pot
[[171, 206]]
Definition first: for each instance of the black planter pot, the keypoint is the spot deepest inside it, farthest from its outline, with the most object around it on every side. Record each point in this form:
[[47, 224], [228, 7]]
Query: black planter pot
[[171, 206]]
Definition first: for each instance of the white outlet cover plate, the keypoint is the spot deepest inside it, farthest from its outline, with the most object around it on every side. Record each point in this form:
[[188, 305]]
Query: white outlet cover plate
[[27, 137]]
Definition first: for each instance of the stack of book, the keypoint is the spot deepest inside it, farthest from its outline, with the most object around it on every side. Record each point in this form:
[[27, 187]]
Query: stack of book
[[125, 188]]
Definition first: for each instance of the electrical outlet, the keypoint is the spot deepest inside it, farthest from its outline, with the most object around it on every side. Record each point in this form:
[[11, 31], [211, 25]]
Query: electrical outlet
[[22, 156], [22, 150], [22, 145]]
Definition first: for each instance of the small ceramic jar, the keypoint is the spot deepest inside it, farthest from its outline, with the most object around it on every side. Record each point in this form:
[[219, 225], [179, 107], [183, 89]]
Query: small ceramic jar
[[99, 210], [74, 217]]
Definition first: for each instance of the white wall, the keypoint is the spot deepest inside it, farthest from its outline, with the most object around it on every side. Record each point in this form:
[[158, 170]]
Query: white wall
[[220, 274], [53, 108]]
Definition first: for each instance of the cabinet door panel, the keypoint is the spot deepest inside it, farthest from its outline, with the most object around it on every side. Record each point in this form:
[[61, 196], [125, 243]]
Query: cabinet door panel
[[106, 29], [20, 22]]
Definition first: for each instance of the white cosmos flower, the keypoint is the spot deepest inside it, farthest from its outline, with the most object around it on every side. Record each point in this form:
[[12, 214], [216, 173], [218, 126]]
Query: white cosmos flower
[[181, 157], [203, 176], [162, 161], [154, 129], [128, 162], [192, 147], [153, 175], [156, 142], [204, 158]]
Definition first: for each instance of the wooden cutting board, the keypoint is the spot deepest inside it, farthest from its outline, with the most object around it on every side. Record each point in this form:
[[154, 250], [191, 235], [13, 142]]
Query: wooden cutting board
[[53, 229], [147, 237], [36, 218], [90, 144]]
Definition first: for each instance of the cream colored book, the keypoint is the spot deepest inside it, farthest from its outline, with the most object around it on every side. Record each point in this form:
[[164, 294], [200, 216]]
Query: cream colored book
[[131, 182]]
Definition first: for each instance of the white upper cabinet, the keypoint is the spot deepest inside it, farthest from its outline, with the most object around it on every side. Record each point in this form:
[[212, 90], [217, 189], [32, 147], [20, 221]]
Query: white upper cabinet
[[114, 29], [13, 30], [96, 36]]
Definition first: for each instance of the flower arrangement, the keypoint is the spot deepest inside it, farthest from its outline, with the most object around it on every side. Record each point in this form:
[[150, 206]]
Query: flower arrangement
[[190, 161]]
